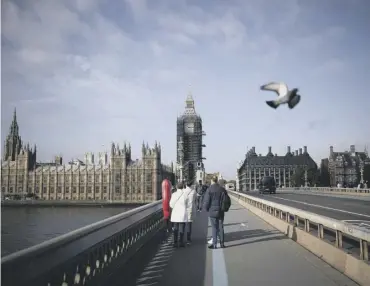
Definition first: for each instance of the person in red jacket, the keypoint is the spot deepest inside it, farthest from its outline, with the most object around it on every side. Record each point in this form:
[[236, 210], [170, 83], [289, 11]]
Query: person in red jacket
[[166, 197]]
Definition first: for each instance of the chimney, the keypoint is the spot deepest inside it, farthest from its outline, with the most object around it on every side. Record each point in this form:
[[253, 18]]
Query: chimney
[[254, 149], [352, 148], [305, 149], [331, 150], [300, 151], [296, 152], [269, 149], [289, 149]]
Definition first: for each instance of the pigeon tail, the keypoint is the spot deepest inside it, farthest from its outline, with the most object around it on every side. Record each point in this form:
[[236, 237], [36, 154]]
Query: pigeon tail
[[273, 104], [294, 101]]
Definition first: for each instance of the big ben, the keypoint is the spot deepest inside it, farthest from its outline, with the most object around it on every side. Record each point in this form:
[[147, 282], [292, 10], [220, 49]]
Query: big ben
[[189, 142]]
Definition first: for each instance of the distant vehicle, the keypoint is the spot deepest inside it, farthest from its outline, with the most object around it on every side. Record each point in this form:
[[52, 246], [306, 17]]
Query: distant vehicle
[[230, 187], [267, 184]]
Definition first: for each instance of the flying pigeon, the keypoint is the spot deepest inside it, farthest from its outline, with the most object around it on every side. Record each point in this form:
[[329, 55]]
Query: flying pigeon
[[284, 94]]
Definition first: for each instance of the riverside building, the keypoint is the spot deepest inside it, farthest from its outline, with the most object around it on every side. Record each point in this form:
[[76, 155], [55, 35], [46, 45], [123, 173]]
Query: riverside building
[[112, 177]]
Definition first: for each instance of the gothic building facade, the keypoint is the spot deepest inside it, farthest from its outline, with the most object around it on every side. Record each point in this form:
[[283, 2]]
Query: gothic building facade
[[347, 168], [282, 168], [190, 142], [113, 178]]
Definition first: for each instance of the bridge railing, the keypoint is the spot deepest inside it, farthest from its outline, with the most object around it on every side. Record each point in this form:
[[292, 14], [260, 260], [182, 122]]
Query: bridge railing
[[330, 190], [323, 226], [84, 256]]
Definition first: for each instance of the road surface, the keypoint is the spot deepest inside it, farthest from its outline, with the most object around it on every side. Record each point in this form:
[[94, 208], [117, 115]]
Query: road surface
[[352, 210]]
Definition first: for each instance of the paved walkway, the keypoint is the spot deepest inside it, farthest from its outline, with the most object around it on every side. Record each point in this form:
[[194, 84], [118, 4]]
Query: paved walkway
[[256, 255]]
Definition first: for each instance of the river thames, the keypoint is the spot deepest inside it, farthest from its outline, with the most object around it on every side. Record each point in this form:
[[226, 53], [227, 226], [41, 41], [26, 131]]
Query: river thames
[[22, 227]]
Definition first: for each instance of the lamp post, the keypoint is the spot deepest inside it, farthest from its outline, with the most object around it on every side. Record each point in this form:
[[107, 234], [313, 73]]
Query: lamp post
[[362, 172], [305, 177]]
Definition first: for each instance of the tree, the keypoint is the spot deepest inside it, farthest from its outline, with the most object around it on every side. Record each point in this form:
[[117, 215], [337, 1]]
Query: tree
[[324, 178], [297, 179], [313, 176], [366, 174]]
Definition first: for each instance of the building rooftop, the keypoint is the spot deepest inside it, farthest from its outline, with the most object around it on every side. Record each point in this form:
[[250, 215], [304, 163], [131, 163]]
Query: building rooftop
[[299, 158]]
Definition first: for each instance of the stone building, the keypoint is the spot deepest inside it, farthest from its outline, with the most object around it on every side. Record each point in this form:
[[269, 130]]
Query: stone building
[[282, 168], [119, 178], [347, 168]]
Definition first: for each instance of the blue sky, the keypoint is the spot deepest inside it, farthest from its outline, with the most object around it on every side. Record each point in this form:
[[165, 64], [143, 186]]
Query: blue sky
[[85, 73]]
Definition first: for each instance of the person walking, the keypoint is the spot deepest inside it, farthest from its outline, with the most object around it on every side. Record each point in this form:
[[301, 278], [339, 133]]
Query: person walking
[[190, 201], [166, 197], [199, 195], [217, 202], [179, 215]]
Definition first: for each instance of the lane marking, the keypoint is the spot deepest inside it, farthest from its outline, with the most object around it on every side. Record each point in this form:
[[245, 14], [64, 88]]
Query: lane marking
[[219, 272], [360, 223], [323, 207]]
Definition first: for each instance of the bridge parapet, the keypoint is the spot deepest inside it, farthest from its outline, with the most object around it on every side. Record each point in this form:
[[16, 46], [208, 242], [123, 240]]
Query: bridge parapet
[[331, 190], [312, 231], [84, 256]]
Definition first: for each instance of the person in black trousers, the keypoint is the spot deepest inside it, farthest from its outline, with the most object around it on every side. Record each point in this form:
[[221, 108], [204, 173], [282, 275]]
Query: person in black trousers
[[212, 204]]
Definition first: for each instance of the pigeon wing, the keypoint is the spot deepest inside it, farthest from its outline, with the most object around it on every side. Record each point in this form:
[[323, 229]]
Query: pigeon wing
[[279, 87]]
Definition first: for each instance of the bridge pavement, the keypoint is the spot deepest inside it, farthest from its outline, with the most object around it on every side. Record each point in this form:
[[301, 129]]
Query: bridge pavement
[[255, 254]]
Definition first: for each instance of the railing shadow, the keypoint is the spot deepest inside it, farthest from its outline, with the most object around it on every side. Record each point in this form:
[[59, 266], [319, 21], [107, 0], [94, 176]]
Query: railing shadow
[[154, 251], [158, 263]]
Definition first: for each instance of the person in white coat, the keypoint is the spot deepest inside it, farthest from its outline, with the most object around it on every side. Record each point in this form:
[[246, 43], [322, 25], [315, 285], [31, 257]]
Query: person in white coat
[[179, 215], [191, 200]]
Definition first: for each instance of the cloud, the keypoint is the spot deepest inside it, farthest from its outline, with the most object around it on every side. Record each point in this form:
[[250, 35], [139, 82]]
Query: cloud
[[92, 71]]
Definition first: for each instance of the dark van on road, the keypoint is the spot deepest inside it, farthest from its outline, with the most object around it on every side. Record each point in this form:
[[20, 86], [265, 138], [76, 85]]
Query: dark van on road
[[267, 184]]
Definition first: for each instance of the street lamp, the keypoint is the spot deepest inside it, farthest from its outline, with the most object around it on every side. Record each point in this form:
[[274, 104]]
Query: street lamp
[[305, 177], [362, 172]]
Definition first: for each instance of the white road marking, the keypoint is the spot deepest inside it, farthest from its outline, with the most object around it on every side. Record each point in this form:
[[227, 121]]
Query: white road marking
[[360, 223], [220, 277], [242, 224], [323, 207]]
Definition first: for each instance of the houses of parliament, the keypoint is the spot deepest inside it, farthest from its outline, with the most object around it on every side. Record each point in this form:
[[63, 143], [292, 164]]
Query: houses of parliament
[[118, 178]]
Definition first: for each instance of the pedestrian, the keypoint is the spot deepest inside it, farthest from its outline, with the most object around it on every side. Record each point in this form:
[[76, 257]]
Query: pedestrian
[[199, 196], [179, 215], [217, 202], [190, 200], [166, 197]]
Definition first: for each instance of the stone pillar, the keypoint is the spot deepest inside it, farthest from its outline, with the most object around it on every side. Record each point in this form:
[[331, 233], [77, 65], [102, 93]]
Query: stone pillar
[[255, 177], [259, 169], [284, 177]]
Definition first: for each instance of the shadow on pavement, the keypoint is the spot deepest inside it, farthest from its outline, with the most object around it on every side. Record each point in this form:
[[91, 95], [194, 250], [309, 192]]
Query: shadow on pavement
[[230, 224], [236, 209], [187, 266], [244, 234], [248, 236], [277, 237]]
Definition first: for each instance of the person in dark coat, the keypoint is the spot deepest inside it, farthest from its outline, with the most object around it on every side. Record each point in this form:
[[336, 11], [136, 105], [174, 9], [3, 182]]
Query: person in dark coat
[[212, 204]]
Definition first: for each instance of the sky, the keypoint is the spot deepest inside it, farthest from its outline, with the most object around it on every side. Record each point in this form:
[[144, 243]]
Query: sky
[[84, 73]]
